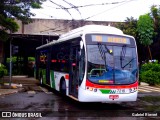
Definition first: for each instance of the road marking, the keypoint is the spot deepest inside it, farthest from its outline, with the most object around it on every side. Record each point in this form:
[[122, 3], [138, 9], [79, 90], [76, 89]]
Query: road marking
[[45, 90], [155, 88], [148, 89], [31, 92], [141, 90]]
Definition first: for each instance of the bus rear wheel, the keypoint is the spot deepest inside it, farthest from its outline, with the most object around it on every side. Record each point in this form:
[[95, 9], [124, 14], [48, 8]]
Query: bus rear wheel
[[63, 87]]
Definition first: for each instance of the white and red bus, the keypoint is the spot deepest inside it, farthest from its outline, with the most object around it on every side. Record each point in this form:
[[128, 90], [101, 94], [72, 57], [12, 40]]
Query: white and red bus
[[94, 63]]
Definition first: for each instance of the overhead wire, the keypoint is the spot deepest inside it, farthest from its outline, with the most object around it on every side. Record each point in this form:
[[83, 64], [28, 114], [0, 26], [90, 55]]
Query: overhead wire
[[73, 6], [61, 7], [91, 5], [51, 16], [126, 1], [76, 7]]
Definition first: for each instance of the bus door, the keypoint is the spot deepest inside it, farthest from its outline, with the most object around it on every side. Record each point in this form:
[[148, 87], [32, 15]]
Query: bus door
[[74, 73], [48, 62]]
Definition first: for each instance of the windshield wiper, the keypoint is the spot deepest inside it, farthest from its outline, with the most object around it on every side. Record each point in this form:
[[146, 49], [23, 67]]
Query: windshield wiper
[[102, 52], [128, 63], [123, 54]]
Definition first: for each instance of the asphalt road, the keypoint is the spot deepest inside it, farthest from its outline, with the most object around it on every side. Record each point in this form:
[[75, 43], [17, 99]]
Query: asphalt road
[[52, 105]]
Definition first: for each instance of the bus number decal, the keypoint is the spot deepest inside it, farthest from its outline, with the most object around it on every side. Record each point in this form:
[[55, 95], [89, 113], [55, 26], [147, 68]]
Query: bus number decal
[[115, 91]]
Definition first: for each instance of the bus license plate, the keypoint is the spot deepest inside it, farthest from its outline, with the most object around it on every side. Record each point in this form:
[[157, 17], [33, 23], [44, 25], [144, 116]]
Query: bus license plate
[[113, 96]]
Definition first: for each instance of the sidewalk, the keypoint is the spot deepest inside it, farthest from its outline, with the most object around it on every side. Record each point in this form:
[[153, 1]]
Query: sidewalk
[[144, 84], [17, 84], [8, 91]]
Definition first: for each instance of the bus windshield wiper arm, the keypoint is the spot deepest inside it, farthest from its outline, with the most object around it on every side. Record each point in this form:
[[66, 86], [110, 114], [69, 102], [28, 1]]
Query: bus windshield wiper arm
[[123, 54], [128, 63], [102, 52], [108, 51]]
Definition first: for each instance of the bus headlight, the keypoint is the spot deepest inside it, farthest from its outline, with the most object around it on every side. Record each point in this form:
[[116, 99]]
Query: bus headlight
[[91, 89]]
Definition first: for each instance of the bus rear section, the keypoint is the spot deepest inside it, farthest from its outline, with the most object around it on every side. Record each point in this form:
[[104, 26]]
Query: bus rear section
[[112, 69]]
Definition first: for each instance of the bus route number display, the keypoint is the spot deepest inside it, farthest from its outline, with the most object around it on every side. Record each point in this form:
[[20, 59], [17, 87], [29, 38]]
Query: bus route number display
[[110, 39]]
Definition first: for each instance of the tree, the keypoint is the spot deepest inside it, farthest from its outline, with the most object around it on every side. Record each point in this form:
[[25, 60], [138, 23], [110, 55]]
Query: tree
[[155, 14], [129, 27], [145, 29], [15, 9], [3, 71]]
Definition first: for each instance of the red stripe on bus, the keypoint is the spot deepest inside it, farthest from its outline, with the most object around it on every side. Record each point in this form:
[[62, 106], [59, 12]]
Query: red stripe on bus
[[67, 77], [90, 84]]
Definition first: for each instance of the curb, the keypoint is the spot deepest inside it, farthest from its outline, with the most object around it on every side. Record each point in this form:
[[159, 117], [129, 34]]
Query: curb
[[4, 92], [8, 93], [18, 84]]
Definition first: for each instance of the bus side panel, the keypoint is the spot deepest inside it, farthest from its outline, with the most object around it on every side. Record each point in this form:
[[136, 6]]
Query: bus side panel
[[52, 80], [42, 74], [56, 77]]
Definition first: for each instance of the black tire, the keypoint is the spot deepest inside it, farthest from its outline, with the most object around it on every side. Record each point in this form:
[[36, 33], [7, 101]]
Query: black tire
[[63, 87]]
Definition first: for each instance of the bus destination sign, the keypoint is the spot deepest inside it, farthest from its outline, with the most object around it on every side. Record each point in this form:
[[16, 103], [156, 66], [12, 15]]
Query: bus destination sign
[[110, 39]]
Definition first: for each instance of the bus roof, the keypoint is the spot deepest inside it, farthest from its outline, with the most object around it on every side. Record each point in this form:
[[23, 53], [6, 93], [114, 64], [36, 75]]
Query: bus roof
[[83, 30]]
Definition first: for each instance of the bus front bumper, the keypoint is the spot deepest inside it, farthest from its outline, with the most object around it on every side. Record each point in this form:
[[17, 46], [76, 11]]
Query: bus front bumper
[[92, 96]]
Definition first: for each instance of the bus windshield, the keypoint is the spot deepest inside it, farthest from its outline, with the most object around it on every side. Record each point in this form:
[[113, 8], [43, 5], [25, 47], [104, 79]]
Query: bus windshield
[[111, 64]]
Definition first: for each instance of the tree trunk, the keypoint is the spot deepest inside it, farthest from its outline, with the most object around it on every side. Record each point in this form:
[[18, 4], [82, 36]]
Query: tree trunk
[[150, 53]]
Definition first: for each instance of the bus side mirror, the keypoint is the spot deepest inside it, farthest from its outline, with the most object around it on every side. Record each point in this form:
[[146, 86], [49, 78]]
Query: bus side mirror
[[81, 44]]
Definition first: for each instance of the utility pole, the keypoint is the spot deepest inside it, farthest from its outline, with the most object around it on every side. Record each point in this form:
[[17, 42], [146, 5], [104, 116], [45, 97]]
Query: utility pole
[[10, 64]]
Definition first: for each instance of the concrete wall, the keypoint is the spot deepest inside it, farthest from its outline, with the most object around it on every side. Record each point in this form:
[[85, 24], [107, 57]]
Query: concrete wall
[[54, 26]]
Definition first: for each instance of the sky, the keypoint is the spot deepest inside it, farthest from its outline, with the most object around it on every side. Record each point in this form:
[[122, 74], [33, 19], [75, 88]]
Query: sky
[[96, 10]]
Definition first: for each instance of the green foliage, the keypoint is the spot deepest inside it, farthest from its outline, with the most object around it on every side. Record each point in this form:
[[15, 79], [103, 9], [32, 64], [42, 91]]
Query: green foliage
[[145, 28], [150, 73], [31, 58], [14, 59], [19, 9], [8, 24], [3, 35], [3, 70], [129, 27], [18, 65], [35, 5], [155, 14]]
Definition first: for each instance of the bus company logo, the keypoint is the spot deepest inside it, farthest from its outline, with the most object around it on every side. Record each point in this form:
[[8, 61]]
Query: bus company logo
[[6, 114], [108, 91], [112, 92]]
